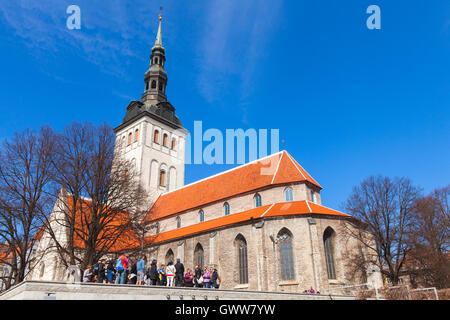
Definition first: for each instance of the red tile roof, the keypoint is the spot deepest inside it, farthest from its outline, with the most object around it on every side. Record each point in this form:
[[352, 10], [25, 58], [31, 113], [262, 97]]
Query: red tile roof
[[279, 168], [274, 210]]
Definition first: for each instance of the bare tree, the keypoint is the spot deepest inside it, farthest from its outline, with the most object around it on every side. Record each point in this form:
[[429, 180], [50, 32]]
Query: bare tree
[[428, 260], [100, 196], [384, 207], [25, 180]]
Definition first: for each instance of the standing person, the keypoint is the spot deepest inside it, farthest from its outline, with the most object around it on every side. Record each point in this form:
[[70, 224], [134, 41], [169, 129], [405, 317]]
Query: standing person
[[206, 277], [179, 273], [162, 275], [170, 271], [110, 272], [132, 278], [152, 273], [87, 275], [101, 273], [121, 267], [214, 278], [188, 279], [140, 267], [198, 279]]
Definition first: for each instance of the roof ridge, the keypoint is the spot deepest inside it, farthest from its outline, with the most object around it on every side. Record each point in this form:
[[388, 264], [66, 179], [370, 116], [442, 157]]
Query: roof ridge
[[278, 166], [293, 162], [221, 173]]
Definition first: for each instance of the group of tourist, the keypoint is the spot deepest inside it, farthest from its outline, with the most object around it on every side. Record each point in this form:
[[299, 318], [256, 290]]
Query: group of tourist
[[135, 272]]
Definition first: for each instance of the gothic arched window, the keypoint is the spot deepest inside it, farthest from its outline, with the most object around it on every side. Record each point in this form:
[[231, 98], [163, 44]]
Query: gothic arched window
[[174, 143], [198, 255], [328, 241], [226, 208], [201, 215], [130, 136], [165, 137], [257, 200], [156, 137], [241, 250], [169, 256], [288, 194], [136, 135], [286, 255], [178, 222]]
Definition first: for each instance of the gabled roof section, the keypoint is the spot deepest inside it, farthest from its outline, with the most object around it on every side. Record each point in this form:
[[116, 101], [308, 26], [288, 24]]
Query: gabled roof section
[[275, 210], [279, 168]]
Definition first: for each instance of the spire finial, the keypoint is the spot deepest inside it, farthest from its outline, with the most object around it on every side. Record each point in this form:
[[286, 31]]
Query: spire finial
[[158, 42]]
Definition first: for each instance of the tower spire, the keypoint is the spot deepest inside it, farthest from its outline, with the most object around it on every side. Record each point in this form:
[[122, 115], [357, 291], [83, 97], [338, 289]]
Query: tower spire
[[158, 42], [155, 77]]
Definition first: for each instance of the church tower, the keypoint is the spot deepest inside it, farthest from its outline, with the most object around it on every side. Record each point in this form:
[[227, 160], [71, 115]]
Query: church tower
[[151, 136]]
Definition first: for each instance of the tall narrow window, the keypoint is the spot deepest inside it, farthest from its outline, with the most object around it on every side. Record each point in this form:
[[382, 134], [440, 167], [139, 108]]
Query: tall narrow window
[[169, 256], [136, 135], [201, 215], [146, 85], [241, 246], [178, 222], [288, 194], [156, 136], [153, 84], [162, 178], [130, 136], [198, 255], [328, 237], [312, 196], [286, 258], [165, 137], [160, 86], [226, 208], [257, 200], [174, 143]]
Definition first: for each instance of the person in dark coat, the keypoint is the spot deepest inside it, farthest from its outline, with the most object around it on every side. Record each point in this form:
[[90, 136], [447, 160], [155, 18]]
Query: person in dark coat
[[197, 276], [214, 279], [101, 276], [132, 277], [152, 274], [179, 273]]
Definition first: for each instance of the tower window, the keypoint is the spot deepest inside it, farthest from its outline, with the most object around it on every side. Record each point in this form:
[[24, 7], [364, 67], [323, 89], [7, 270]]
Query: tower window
[[156, 61], [146, 85], [165, 137], [312, 196], [130, 135], [173, 144], [202, 215], [156, 137], [178, 222], [153, 84], [136, 135], [162, 178], [160, 86]]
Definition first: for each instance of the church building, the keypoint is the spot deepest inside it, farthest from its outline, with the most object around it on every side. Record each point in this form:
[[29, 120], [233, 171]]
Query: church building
[[262, 225]]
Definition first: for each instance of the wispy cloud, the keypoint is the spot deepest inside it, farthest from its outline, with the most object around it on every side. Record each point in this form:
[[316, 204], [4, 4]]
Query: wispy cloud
[[235, 36], [108, 37]]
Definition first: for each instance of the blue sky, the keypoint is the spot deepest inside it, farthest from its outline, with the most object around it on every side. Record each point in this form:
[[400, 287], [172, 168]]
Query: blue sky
[[349, 102]]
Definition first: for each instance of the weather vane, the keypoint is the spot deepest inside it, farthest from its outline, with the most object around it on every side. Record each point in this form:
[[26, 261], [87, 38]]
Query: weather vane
[[160, 13]]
